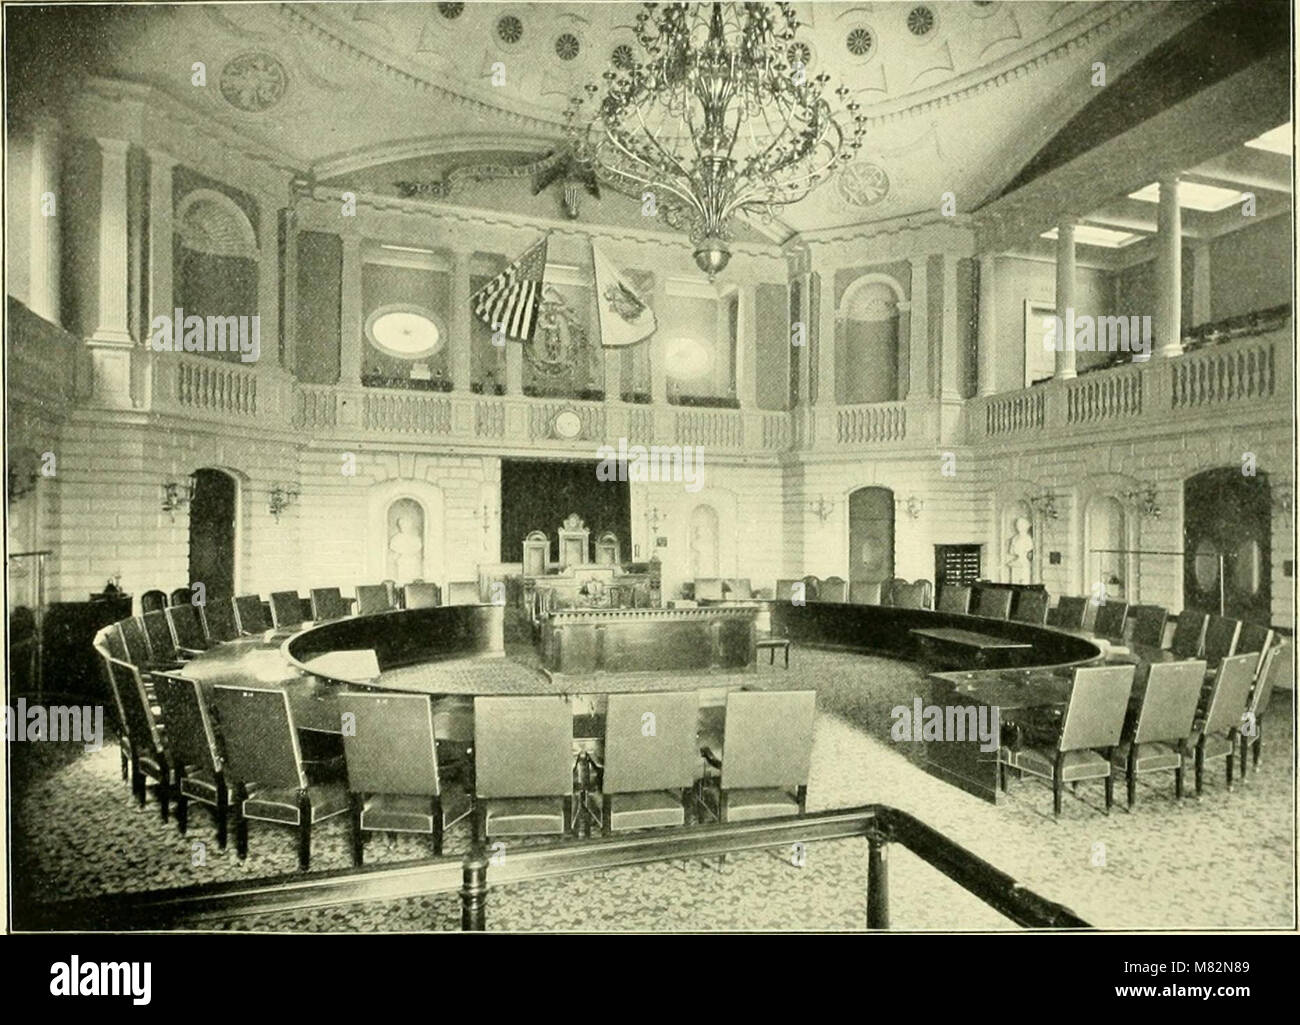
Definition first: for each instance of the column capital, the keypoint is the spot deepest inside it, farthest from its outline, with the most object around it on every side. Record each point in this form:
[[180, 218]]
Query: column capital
[[1170, 181], [921, 262], [1066, 226], [113, 147]]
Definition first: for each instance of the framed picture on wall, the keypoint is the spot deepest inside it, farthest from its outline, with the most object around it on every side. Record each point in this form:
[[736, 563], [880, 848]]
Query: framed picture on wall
[[1040, 361]]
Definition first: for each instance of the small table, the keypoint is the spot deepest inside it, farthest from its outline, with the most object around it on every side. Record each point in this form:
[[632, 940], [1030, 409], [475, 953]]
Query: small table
[[971, 648]]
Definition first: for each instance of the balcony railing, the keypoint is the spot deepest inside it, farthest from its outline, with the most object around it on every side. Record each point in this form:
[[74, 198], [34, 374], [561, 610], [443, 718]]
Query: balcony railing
[[879, 825]]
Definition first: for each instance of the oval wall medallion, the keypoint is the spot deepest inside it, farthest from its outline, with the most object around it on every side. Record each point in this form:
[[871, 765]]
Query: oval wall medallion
[[253, 82]]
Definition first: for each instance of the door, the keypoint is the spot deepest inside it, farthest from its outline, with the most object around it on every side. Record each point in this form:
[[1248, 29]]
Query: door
[[1227, 525], [871, 536], [212, 533]]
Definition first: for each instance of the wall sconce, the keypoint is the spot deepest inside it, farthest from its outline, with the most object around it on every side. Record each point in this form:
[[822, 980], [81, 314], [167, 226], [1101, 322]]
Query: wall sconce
[[821, 508], [911, 505], [21, 483], [653, 518], [1045, 505], [173, 498], [1283, 500], [1143, 498], [282, 496]]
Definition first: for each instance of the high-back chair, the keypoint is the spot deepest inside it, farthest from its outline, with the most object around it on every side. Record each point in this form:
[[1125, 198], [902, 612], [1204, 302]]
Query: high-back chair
[[1094, 719], [762, 768], [1279, 665], [833, 589], [463, 592], [865, 592], [1110, 620], [1173, 690], [1189, 634], [709, 589], [889, 592], [328, 603], [955, 598], [136, 642], [180, 596], [651, 760], [108, 644], [911, 596], [265, 763], [812, 588], [739, 589], [1221, 640], [523, 765], [219, 617], [422, 595], [162, 646], [251, 615], [373, 598], [993, 603], [148, 758], [114, 643], [393, 770], [153, 600], [186, 623], [1149, 625], [1215, 736], [193, 749], [1032, 608], [1255, 638], [786, 590], [1069, 613], [286, 609]]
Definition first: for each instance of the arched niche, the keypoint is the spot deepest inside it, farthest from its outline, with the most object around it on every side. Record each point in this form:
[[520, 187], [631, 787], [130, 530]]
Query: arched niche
[[868, 340], [405, 532], [210, 222], [1012, 503], [1109, 522]]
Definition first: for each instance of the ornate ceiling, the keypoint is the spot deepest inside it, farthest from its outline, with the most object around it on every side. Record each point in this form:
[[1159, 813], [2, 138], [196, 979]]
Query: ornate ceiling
[[961, 95]]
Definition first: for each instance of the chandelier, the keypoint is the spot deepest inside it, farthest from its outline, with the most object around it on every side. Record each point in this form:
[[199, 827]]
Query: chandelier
[[716, 116]]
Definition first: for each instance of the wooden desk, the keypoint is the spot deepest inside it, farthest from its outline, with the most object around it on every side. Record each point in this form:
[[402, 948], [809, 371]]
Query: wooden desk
[[960, 647], [640, 640]]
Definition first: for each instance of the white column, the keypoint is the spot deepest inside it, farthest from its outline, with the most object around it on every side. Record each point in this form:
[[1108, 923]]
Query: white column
[[803, 353], [1169, 272], [45, 220], [290, 326], [950, 384], [1201, 313], [747, 347], [111, 325], [461, 322], [110, 343], [918, 332], [268, 281], [161, 235], [352, 322], [659, 344], [988, 325], [826, 336], [1065, 274]]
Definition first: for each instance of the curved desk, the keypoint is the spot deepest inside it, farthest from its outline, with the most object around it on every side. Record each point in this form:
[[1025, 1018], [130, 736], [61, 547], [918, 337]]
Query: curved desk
[[996, 664]]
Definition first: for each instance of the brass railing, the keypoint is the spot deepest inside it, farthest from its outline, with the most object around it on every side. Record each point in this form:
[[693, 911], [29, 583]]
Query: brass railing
[[880, 825]]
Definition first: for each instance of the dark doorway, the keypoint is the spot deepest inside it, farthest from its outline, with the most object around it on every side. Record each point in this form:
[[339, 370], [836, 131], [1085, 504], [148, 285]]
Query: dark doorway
[[212, 533], [871, 536], [537, 494], [1227, 524]]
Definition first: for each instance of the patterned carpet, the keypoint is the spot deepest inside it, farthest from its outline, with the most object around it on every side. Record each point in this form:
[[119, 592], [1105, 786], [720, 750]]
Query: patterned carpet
[[1225, 861]]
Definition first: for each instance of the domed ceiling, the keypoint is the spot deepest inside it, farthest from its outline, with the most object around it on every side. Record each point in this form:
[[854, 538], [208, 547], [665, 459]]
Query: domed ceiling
[[959, 95]]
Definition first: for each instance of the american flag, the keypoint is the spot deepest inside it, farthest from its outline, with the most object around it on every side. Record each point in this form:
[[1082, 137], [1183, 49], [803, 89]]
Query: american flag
[[509, 302]]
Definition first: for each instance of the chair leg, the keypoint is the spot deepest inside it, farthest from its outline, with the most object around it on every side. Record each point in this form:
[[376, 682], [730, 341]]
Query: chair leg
[[1130, 778], [121, 752], [1259, 739], [1200, 766], [223, 810], [164, 790], [241, 823], [1110, 791], [437, 827], [354, 822], [1178, 783], [137, 780], [1228, 767], [1002, 775], [304, 831], [182, 802], [1058, 787]]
